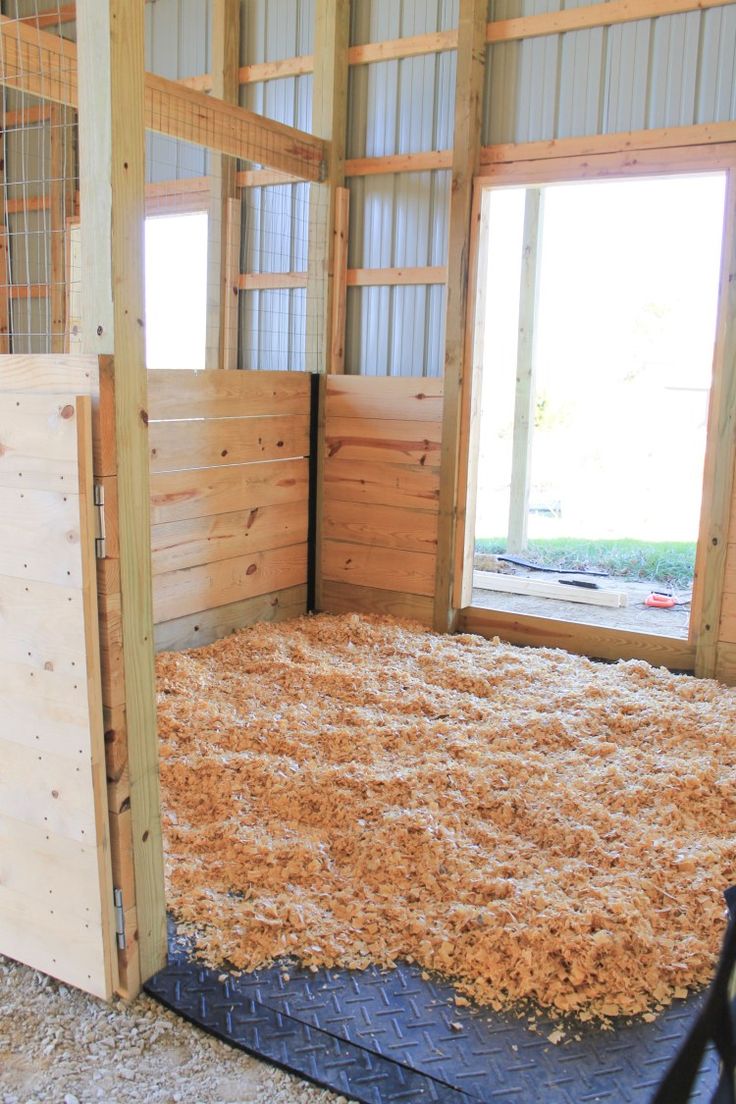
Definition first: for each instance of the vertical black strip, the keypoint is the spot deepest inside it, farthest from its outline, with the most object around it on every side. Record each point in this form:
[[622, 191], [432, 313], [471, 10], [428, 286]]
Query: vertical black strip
[[312, 525]]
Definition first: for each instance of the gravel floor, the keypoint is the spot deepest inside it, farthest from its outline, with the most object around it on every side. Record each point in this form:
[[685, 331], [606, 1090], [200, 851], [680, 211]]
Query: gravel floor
[[59, 1046]]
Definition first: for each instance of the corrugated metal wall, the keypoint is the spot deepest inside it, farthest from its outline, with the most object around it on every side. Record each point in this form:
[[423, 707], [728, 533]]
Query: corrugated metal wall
[[671, 71]]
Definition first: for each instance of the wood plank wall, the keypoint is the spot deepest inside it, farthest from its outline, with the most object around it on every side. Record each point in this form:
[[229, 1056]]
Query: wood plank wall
[[229, 501], [380, 495]]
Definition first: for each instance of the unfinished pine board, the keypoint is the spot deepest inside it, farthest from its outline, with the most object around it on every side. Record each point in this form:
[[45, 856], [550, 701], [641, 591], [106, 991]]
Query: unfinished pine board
[[188, 494], [381, 526], [196, 630], [457, 374], [348, 598], [586, 640], [395, 442], [43, 709], [591, 15], [178, 593], [41, 534], [382, 568], [381, 483], [390, 399], [52, 783], [49, 374], [517, 584], [180, 544], [38, 441], [26, 864], [175, 394], [213, 442]]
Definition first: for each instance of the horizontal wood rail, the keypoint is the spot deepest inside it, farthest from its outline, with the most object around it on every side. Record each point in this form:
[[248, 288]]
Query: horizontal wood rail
[[356, 277], [501, 30]]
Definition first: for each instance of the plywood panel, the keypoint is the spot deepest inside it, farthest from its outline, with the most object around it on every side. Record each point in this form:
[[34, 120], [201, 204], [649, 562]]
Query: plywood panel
[[392, 399], [178, 593], [180, 495], [181, 544], [381, 526], [38, 442], [175, 394], [220, 441], [382, 484], [373, 440], [55, 878], [44, 709], [198, 629], [382, 568], [39, 536]]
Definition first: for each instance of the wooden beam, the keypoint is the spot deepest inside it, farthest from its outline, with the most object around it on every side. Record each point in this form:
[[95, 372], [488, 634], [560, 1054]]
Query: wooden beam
[[225, 50], [112, 174], [276, 70], [465, 161], [720, 456], [264, 178], [554, 590], [521, 454], [231, 277], [592, 15], [61, 203], [270, 281], [394, 49], [65, 13], [329, 121], [392, 277], [45, 65], [629, 141], [399, 163], [23, 204]]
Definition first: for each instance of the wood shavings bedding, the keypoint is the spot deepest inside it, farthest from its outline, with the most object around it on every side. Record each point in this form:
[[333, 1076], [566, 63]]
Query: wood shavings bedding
[[353, 790]]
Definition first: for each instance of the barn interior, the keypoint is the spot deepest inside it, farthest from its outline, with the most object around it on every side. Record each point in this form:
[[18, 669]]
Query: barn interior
[[368, 544]]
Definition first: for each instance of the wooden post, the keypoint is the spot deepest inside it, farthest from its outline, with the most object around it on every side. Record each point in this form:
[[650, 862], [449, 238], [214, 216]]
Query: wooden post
[[61, 208], [718, 479], [465, 161], [329, 121], [111, 142], [525, 371], [224, 220]]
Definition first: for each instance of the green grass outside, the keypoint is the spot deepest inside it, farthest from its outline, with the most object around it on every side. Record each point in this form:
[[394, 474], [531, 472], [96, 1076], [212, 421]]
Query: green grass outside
[[670, 563]]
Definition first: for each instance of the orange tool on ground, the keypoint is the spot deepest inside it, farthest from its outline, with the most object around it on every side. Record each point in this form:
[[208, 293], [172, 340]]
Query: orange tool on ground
[[661, 599]]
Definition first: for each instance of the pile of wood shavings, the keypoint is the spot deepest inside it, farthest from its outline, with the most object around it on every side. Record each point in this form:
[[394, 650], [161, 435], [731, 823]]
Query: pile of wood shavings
[[353, 790]]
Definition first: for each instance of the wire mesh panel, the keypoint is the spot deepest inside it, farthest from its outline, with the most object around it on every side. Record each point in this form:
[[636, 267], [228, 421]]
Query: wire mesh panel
[[38, 174]]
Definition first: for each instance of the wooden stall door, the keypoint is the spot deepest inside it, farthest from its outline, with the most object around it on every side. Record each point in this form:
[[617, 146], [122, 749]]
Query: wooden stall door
[[56, 903]]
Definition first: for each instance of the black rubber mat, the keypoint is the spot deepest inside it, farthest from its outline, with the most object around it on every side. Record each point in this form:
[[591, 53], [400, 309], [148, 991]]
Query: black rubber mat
[[381, 1037]]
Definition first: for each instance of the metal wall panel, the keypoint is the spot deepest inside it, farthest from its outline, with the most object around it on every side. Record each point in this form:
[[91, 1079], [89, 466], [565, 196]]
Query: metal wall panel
[[671, 71], [177, 46]]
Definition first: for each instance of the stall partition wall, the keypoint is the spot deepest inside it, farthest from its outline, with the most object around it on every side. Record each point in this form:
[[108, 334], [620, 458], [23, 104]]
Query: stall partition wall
[[56, 888], [229, 470], [379, 486]]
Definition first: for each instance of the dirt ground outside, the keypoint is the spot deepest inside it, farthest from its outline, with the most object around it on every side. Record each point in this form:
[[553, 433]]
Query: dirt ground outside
[[636, 617]]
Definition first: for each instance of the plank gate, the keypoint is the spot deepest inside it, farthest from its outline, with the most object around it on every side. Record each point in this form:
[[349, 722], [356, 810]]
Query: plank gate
[[56, 894]]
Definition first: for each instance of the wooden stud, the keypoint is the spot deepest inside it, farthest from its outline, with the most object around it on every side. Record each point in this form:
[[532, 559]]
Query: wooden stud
[[718, 479], [111, 137], [392, 277], [399, 163], [470, 419], [339, 313], [329, 121], [61, 203], [225, 17], [525, 398], [231, 285], [466, 154]]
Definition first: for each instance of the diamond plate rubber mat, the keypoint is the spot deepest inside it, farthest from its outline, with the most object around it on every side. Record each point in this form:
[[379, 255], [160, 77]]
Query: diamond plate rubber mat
[[394, 1037]]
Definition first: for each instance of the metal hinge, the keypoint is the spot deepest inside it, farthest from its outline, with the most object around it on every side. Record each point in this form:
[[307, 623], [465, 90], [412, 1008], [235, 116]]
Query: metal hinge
[[99, 500], [117, 895]]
